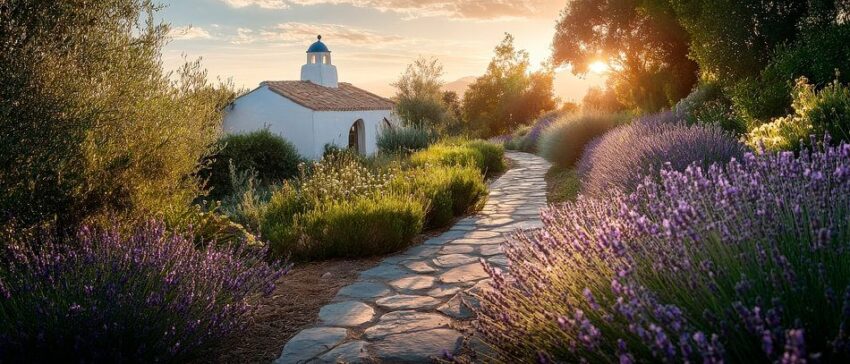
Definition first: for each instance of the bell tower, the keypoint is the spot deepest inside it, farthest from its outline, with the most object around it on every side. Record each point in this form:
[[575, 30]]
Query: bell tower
[[319, 69]]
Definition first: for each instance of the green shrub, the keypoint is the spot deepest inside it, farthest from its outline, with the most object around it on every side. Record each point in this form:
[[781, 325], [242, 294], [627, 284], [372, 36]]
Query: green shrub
[[247, 204], [363, 226], [434, 186], [449, 190], [293, 218], [493, 156], [404, 139], [816, 55], [92, 126], [468, 190], [279, 220], [707, 105], [444, 154], [815, 113], [270, 156], [563, 142], [487, 157]]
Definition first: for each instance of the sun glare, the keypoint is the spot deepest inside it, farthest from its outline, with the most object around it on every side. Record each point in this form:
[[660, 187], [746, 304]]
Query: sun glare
[[598, 67]]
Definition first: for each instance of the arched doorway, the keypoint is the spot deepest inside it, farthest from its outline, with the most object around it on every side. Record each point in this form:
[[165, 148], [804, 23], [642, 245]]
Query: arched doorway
[[357, 137]]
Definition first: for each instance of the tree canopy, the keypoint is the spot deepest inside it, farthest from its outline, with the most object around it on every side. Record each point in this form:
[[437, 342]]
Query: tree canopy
[[508, 94], [419, 94], [641, 40], [90, 124]]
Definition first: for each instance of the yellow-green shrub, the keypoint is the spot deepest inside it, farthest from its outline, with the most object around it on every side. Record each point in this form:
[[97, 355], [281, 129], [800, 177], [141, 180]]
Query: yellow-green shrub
[[449, 191], [563, 141], [785, 133], [363, 226], [487, 157], [493, 156], [279, 219], [815, 113]]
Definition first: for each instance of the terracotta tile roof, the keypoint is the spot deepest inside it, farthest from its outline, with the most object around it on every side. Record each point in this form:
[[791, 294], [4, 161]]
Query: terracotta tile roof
[[344, 98]]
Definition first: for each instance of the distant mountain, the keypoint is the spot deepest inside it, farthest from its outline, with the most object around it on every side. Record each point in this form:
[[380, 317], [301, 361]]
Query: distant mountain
[[459, 85]]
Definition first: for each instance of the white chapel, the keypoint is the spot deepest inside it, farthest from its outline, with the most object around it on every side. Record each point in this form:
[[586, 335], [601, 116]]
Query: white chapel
[[316, 111]]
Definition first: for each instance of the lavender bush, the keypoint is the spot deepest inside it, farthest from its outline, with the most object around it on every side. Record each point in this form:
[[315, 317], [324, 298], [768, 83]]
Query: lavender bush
[[623, 157], [529, 142], [564, 141], [745, 262], [107, 297]]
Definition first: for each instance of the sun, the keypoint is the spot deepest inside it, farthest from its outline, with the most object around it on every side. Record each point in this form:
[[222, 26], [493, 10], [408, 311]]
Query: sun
[[598, 67]]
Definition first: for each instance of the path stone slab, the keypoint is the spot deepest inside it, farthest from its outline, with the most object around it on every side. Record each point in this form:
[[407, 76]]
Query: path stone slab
[[482, 234], [445, 291], [454, 260], [350, 353], [421, 251], [385, 271], [473, 241], [419, 266], [457, 249], [499, 260], [346, 314], [309, 343], [465, 273], [456, 308], [400, 322], [413, 283], [365, 290], [489, 250], [417, 347], [407, 302]]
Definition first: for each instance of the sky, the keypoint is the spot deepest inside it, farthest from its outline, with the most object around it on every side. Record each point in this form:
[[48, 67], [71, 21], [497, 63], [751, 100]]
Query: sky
[[372, 41]]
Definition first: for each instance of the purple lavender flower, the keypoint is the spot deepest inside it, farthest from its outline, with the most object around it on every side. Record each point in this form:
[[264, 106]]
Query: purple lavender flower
[[623, 157], [719, 263], [105, 296]]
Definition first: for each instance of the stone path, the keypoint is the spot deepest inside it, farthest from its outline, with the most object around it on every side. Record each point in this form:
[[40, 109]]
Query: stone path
[[407, 309]]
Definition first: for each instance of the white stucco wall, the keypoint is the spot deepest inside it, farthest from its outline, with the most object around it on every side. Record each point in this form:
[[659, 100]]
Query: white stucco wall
[[261, 108], [308, 130], [332, 127]]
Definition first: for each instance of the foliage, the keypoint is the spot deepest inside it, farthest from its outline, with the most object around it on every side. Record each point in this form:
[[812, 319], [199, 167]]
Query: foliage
[[107, 297], [404, 139], [508, 95], [343, 206], [208, 224], [90, 124], [246, 205], [485, 156], [723, 264], [597, 99], [643, 39], [824, 112], [451, 191], [362, 226], [709, 106], [817, 54], [419, 97], [622, 158], [529, 143], [564, 141], [731, 39], [269, 156], [562, 184]]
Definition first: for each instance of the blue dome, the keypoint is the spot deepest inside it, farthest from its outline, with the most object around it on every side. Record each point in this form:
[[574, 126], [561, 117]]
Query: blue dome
[[318, 47]]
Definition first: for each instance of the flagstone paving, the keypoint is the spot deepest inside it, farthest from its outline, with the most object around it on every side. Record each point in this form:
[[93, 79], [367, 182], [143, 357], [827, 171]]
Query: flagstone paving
[[408, 308]]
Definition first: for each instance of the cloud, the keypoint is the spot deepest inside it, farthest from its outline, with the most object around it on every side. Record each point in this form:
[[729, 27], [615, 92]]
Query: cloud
[[458, 9], [302, 33], [189, 32], [265, 4]]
